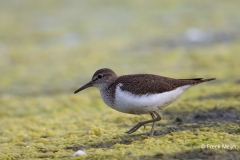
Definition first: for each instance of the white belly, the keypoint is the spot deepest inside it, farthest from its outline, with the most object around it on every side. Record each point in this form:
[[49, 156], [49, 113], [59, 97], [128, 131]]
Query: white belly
[[139, 104]]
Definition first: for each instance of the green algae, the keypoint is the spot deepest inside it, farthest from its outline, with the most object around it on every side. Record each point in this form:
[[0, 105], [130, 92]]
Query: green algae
[[60, 127], [40, 117]]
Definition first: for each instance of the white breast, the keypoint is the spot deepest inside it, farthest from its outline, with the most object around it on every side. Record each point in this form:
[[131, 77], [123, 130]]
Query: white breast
[[139, 104]]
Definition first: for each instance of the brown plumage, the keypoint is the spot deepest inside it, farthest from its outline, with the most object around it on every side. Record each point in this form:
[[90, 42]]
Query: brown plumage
[[140, 84]]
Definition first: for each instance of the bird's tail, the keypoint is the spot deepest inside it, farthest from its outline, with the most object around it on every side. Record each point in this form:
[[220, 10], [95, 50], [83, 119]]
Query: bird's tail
[[210, 79]]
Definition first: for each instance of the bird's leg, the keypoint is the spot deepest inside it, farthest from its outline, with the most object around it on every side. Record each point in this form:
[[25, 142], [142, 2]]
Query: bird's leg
[[136, 127], [153, 116], [158, 118], [153, 125]]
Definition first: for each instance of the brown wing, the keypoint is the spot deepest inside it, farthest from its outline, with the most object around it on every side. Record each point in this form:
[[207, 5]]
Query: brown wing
[[146, 83]]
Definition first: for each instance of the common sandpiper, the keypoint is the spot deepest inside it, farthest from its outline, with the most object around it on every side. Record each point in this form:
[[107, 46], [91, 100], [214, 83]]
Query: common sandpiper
[[139, 93]]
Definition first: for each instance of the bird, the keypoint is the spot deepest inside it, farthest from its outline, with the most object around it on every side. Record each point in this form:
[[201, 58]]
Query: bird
[[139, 93]]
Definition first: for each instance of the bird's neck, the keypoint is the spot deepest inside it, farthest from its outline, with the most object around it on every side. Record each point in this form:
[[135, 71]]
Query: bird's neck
[[107, 93]]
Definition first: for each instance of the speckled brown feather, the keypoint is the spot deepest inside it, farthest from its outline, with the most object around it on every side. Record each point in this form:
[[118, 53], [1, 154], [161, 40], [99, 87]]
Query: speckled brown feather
[[140, 84]]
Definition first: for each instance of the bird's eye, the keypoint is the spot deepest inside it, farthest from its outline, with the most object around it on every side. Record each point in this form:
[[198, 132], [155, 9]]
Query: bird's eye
[[99, 76]]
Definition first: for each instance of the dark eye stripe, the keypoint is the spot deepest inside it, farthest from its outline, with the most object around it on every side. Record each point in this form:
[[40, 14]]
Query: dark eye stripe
[[98, 77]]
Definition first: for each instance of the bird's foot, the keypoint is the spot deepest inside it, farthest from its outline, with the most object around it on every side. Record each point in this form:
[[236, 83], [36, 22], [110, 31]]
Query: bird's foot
[[136, 127]]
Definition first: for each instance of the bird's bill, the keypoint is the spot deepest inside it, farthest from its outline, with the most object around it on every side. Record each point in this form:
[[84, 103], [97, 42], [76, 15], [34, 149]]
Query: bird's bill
[[89, 84]]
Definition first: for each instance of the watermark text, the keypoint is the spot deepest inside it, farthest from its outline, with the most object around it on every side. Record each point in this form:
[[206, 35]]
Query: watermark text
[[219, 146]]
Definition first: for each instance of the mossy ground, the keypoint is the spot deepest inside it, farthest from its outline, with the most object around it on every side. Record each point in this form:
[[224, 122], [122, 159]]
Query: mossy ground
[[50, 48]]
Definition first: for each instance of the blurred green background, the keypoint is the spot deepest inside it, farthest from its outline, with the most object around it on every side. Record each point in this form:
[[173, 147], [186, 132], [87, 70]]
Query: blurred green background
[[54, 46], [48, 49]]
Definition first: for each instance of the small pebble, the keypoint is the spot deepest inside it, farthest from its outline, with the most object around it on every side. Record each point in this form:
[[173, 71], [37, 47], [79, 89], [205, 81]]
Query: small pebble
[[79, 153]]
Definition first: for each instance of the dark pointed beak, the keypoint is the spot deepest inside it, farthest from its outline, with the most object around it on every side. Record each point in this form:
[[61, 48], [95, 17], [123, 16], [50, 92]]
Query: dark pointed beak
[[89, 84]]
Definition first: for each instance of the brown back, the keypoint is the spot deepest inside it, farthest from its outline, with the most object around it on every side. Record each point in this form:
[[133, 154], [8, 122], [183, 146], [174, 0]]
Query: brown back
[[140, 84]]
